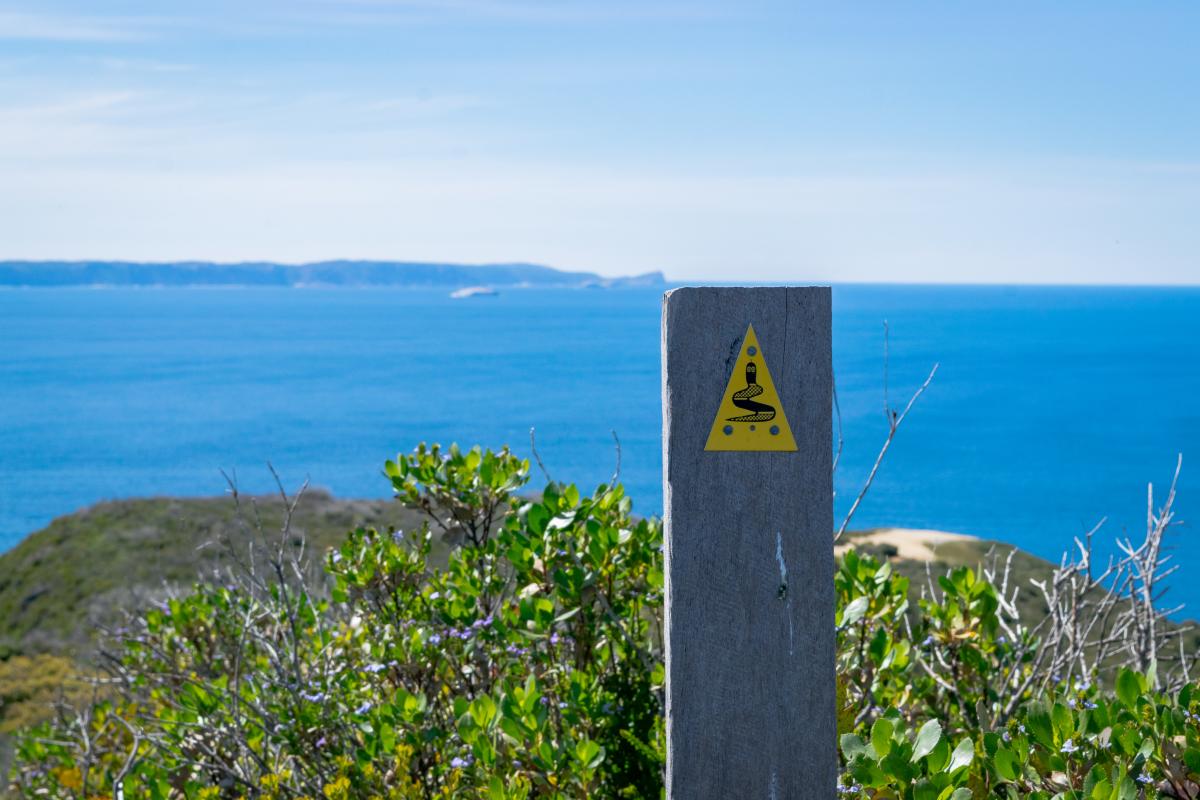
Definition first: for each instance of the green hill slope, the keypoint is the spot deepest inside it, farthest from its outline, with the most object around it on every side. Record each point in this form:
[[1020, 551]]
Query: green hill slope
[[66, 582], [63, 581]]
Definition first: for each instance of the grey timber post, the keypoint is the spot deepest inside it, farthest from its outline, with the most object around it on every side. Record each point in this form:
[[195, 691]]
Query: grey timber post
[[749, 543]]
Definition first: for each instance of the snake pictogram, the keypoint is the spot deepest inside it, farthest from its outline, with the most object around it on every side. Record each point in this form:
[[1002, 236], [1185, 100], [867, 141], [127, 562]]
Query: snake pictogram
[[760, 412]]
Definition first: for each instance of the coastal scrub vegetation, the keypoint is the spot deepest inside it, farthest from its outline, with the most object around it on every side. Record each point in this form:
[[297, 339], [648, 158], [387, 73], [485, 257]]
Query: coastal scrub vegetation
[[527, 662]]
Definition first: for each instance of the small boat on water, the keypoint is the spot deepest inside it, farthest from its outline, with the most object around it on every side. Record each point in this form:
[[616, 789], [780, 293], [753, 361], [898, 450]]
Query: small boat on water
[[474, 291]]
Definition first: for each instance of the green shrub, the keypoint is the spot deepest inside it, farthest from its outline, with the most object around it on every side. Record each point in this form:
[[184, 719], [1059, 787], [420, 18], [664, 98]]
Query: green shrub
[[527, 665], [530, 665]]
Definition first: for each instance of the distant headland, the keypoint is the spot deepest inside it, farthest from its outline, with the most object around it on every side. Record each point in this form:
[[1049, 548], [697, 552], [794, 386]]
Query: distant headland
[[395, 274]]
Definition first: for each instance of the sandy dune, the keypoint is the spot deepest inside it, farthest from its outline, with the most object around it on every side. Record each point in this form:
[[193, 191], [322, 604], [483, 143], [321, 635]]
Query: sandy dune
[[911, 543]]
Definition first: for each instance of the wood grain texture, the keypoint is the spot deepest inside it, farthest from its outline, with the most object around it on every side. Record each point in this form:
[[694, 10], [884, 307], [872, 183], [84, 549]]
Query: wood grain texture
[[749, 554]]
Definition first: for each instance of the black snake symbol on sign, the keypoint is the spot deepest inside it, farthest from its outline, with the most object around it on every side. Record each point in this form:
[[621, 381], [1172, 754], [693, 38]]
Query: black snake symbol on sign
[[759, 412]]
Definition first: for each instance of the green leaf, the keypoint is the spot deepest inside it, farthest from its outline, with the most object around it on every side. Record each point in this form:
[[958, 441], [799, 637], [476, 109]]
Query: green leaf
[[658, 675], [962, 756], [537, 518], [513, 729], [879, 645], [1128, 688], [1005, 762], [589, 754], [927, 739], [1064, 723], [881, 737], [1037, 720], [483, 710], [1191, 757], [855, 610], [853, 746], [924, 790]]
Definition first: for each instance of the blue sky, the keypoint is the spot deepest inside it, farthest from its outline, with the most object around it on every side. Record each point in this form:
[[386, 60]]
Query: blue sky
[[848, 141]]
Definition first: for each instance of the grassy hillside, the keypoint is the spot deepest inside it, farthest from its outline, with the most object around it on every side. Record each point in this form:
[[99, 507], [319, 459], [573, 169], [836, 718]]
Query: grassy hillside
[[967, 552], [64, 583], [61, 582]]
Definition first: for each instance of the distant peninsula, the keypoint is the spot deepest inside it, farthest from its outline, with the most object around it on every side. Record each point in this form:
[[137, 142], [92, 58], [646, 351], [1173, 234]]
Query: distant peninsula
[[395, 274]]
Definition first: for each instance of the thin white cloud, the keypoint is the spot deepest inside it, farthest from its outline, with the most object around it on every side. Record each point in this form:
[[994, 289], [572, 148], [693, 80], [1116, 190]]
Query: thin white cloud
[[133, 174], [92, 127], [1041, 224], [517, 11], [37, 26], [426, 105], [135, 65], [121, 126]]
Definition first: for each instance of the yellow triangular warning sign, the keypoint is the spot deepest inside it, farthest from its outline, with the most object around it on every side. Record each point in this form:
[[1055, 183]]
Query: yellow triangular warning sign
[[751, 414]]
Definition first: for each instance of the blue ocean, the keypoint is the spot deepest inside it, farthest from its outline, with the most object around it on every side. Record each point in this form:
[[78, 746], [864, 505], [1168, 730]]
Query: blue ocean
[[1052, 407]]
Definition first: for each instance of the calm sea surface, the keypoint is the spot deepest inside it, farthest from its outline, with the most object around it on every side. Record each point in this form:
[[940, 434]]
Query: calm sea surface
[[1053, 407]]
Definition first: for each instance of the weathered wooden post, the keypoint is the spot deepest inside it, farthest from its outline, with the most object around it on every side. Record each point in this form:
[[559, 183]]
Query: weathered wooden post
[[748, 493]]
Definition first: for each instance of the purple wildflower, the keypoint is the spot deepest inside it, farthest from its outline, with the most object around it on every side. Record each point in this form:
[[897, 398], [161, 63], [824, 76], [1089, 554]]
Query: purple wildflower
[[321, 743], [434, 638], [1144, 778], [363, 709], [1069, 747], [374, 668]]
